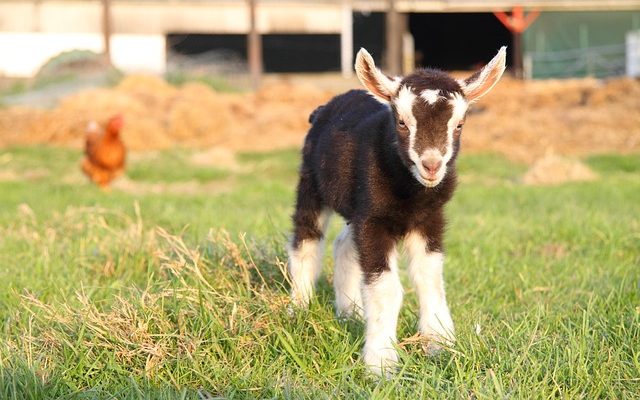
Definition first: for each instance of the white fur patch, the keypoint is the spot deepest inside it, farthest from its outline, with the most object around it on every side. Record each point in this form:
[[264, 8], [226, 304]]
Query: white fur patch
[[431, 96], [305, 264], [459, 106], [382, 300], [404, 106], [304, 268], [347, 275], [425, 270]]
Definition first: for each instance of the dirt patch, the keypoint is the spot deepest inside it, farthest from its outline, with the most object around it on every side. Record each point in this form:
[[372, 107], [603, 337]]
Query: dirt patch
[[555, 251], [522, 120], [125, 184], [10, 175], [554, 170], [221, 157]]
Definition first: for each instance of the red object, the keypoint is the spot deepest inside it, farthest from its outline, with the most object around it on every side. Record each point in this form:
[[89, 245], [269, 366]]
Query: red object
[[517, 22], [105, 152]]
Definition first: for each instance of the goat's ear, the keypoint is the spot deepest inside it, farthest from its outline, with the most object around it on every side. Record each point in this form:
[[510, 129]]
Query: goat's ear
[[480, 83], [377, 83]]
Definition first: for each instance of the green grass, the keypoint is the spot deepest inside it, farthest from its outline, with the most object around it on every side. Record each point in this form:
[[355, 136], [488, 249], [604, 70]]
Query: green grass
[[173, 166], [180, 294]]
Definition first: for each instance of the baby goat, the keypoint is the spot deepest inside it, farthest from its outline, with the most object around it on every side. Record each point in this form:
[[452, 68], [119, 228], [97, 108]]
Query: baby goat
[[385, 161]]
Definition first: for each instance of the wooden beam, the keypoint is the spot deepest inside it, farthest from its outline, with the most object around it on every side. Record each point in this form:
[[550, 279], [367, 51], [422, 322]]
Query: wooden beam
[[346, 40], [106, 29], [394, 40], [254, 47]]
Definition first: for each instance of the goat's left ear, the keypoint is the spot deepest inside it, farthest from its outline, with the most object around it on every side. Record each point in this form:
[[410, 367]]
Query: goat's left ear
[[379, 85], [480, 83]]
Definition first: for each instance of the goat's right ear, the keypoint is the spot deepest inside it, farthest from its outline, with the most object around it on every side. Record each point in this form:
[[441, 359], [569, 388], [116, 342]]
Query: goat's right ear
[[378, 84]]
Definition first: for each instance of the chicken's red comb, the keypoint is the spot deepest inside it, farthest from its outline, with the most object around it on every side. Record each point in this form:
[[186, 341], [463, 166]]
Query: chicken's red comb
[[116, 121]]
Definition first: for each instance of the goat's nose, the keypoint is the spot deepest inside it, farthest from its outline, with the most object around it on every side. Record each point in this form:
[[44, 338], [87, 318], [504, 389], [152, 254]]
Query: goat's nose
[[432, 165]]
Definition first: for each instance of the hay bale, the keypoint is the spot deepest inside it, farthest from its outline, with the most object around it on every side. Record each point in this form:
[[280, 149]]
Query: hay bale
[[555, 170]]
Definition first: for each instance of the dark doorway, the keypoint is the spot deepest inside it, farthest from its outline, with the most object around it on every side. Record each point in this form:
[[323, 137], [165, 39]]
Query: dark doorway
[[301, 53], [280, 52], [457, 41], [226, 54], [368, 32]]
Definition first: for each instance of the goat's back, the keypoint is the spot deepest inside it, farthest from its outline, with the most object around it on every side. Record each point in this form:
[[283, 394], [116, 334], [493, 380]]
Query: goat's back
[[344, 140]]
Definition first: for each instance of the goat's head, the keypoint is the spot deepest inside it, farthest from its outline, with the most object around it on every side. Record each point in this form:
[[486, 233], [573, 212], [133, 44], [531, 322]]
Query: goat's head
[[429, 107]]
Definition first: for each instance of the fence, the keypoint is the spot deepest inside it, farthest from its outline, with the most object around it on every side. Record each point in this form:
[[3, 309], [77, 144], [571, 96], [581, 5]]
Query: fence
[[601, 61]]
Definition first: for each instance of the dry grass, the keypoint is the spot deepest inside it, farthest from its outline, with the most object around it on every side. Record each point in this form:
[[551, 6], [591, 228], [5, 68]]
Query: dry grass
[[522, 120]]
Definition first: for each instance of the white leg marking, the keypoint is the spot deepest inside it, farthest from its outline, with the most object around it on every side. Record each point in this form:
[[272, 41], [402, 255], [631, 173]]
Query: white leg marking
[[425, 269], [382, 300], [347, 275], [305, 264]]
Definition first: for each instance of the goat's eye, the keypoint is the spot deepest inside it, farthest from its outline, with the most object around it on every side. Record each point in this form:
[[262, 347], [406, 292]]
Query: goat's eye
[[401, 124]]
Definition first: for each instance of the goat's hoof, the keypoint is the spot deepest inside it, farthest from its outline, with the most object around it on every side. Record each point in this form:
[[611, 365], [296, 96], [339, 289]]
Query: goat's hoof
[[345, 313], [296, 304], [435, 344], [381, 362]]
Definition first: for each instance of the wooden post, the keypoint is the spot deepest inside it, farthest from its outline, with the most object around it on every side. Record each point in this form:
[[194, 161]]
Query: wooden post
[[37, 26], [517, 55], [408, 53], [346, 40], [517, 23], [106, 29], [394, 39], [254, 47]]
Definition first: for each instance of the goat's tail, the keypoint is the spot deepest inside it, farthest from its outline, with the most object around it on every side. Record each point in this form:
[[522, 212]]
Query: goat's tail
[[314, 114]]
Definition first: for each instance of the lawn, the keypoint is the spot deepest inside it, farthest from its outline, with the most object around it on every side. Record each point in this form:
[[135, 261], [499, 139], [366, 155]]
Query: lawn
[[171, 286]]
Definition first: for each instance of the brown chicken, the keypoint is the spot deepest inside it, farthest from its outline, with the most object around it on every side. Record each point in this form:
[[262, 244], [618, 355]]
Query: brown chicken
[[105, 152]]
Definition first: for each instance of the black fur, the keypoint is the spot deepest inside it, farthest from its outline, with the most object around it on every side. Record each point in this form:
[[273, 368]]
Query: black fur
[[354, 162]]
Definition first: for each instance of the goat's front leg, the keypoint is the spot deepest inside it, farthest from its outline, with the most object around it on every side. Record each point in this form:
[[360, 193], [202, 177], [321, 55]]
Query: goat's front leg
[[425, 269], [381, 297]]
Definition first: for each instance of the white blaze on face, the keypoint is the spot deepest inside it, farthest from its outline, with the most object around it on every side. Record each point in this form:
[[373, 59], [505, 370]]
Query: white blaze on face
[[431, 96], [459, 108], [404, 105]]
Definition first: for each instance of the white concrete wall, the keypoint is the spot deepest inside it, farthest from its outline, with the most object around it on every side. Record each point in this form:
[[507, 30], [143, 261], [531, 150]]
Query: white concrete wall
[[32, 32], [153, 17], [23, 54]]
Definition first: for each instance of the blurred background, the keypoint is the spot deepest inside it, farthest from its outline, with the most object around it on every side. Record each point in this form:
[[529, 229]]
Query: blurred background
[[246, 74]]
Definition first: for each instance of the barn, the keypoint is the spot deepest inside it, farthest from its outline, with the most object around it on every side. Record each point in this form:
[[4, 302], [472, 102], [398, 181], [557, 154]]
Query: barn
[[546, 38]]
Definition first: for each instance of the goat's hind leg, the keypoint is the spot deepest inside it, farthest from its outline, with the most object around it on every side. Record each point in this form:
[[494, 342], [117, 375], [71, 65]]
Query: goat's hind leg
[[306, 247], [347, 275]]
